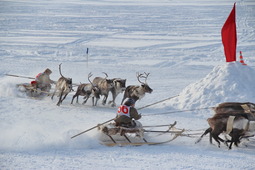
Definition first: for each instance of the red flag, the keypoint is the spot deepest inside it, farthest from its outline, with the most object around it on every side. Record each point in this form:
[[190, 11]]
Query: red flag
[[229, 37]]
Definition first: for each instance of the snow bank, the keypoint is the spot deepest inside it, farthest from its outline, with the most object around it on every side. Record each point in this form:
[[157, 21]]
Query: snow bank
[[231, 82]]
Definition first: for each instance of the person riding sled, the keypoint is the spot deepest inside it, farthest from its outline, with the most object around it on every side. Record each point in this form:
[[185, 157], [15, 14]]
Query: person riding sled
[[43, 81], [126, 113]]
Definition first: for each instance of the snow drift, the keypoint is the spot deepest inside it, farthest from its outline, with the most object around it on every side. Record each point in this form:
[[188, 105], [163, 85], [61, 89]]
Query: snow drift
[[231, 82]]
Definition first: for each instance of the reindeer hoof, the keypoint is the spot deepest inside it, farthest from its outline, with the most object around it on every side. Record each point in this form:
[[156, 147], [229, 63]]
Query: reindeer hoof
[[226, 143]]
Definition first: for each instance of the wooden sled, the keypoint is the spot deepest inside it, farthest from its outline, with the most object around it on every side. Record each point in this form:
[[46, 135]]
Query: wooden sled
[[31, 91], [122, 136]]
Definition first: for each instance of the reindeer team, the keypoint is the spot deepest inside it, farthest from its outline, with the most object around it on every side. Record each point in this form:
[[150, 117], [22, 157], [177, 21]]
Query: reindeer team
[[101, 86]]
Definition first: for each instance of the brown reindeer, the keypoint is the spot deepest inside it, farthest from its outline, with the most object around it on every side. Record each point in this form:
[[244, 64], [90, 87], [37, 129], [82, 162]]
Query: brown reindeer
[[104, 86], [236, 108], [86, 90], [137, 92], [232, 118], [64, 86]]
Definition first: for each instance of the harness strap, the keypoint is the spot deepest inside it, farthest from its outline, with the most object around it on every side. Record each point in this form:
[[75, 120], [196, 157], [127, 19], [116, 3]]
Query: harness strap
[[246, 108], [247, 126], [230, 124]]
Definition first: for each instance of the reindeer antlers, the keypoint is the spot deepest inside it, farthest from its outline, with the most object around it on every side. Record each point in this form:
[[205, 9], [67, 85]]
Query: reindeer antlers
[[105, 74], [90, 75], [145, 76]]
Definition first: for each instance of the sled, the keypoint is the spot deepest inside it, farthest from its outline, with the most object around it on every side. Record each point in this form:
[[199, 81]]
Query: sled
[[112, 135], [31, 91]]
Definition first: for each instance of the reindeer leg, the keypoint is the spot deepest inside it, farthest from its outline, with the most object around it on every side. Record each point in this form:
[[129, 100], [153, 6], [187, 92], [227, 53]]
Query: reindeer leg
[[93, 98], [217, 140], [64, 97], [104, 100], [60, 98], [236, 136], [205, 133], [96, 101], [113, 104], [97, 98], [77, 99], [221, 139], [233, 140], [53, 94], [230, 146], [86, 99], [215, 136], [210, 138], [73, 98]]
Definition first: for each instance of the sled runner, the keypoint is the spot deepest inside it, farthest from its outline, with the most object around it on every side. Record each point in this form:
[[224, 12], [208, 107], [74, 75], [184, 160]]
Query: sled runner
[[112, 135]]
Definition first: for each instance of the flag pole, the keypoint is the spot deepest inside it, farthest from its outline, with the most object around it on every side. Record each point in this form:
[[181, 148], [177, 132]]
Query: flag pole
[[87, 53]]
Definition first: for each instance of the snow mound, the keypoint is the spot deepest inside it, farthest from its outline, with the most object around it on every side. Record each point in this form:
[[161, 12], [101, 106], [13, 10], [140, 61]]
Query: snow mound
[[232, 82]]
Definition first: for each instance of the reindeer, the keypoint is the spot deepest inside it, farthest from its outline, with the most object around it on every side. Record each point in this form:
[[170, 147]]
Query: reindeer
[[232, 118], [137, 92], [86, 90], [236, 107], [64, 85], [119, 87], [104, 86]]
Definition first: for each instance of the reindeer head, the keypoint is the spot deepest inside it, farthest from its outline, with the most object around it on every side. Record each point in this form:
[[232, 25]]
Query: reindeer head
[[119, 84], [69, 81], [144, 84], [110, 83]]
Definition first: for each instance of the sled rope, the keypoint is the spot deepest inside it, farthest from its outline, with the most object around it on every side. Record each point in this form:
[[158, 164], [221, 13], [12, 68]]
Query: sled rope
[[157, 126], [191, 130], [177, 111], [157, 102]]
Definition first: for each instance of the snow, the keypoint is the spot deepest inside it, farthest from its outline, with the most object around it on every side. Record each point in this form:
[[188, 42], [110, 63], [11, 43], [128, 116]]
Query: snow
[[177, 42], [218, 86]]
